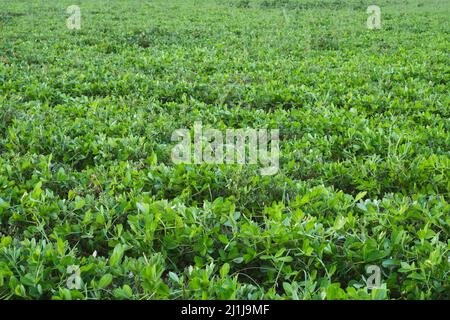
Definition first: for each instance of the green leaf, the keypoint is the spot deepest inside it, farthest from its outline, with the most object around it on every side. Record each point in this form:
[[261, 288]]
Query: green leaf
[[60, 245], [224, 270], [105, 281], [116, 256], [79, 204], [174, 277], [143, 207], [127, 290], [284, 259], [3, 205], [360, 195], [238, 260]]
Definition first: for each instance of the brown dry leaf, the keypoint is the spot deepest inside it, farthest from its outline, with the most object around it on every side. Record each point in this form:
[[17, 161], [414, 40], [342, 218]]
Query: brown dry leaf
[[5, 60]]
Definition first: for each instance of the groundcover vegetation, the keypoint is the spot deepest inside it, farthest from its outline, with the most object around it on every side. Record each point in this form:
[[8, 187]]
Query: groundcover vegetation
[[93, 207]]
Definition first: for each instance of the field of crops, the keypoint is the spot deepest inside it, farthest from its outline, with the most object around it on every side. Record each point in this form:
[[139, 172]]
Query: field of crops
[[92, 206]]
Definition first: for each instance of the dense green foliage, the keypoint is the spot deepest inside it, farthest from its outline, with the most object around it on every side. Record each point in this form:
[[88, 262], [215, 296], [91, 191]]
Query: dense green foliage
[[86, 177]]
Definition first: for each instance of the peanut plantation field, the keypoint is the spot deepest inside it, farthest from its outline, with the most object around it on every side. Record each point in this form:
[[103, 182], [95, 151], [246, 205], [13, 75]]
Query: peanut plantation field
[[93, 207]]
